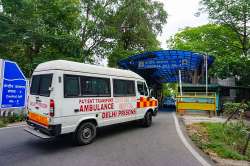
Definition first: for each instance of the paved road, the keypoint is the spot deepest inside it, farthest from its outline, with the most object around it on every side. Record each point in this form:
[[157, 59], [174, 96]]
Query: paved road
[[120, 145]]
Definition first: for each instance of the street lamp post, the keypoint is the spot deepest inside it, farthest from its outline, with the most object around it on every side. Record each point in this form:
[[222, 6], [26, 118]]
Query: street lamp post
[[206, 72], [180, 82]]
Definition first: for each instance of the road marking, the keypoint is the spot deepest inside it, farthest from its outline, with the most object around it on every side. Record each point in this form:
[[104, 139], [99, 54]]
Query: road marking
[[186, 144], [10, 127]]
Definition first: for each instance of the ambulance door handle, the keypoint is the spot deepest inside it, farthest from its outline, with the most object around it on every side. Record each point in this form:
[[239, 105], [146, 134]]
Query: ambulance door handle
[[38, 101], [76, 110]]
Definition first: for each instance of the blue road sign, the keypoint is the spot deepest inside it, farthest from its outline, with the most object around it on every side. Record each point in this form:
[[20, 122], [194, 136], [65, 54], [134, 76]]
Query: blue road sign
[[13, 90]]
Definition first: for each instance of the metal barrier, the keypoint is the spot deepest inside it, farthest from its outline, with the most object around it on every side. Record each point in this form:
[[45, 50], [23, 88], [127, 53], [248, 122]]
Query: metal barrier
[[196, 103], [198, 94]]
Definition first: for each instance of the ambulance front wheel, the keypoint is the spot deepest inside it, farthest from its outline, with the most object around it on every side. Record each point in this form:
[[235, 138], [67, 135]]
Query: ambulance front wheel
[[147, 121], [85, 133]]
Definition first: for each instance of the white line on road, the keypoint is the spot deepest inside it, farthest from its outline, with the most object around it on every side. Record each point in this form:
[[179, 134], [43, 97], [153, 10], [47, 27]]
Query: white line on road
[[187, 145], [10, 127]]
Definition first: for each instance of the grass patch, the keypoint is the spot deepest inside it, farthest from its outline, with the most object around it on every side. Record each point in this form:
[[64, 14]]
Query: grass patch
[[2, 124], [4, 121], [226, 141]]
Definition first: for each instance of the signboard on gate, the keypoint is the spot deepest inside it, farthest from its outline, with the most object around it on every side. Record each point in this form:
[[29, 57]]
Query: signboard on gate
[[167, 64], [12, 85]]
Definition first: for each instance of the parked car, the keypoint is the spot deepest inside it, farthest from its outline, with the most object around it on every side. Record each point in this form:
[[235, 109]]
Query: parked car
[[169, 102]]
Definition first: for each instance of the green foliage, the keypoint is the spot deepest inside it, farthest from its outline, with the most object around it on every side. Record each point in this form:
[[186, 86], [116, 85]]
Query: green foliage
[[170, 89], [248, 104], [117, 54], [209, 38], [13, 118], [138, 24], [229, 108], [2, 124], [238, 132], [35, 31], [226, 141], [96, 29], [219, 41], [228, 39], [233, 14]]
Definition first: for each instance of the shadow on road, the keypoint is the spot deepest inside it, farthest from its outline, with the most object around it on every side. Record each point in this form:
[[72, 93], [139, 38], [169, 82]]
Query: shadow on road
[[65, 141], [168, 109]]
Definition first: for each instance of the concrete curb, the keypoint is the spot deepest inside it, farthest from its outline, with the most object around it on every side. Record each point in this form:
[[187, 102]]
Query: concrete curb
[[186, 143], [14, 125]]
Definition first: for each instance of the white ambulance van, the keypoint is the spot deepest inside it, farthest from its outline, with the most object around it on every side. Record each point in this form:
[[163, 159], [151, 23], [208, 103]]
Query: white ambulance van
[[70, 97]]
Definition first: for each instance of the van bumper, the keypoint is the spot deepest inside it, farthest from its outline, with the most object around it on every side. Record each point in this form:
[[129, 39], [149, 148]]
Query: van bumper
[[43, 132]]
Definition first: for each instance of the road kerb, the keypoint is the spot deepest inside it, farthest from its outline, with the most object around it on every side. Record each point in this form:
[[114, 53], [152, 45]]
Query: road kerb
[[10, 127], [186, 144]]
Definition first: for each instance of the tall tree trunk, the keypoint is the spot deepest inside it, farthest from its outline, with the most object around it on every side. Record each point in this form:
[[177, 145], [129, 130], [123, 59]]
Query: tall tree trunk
[[29, 55], [84, 32], [31, 52]]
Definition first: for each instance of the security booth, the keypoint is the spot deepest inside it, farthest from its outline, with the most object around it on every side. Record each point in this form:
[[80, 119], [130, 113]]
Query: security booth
[[221, 92], [196, 103]]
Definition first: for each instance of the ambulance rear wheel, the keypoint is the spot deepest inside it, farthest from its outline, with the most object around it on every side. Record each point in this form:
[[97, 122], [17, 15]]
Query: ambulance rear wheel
[[85, 133], [147, 121]]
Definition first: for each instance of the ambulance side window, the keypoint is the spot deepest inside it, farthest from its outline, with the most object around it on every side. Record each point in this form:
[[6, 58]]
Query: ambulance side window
[[45, 83], [71, 86], [93, 86], [124, 87], [34, 89], [40, 84]]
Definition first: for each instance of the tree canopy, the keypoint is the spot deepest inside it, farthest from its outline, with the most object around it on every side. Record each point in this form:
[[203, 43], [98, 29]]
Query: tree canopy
[[138, 24], [234, 14], [227, 38], [34, 31], [219, 41]]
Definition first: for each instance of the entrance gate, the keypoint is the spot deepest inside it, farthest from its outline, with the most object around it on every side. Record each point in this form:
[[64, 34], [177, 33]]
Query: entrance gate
[[196, 102], [169, 66]]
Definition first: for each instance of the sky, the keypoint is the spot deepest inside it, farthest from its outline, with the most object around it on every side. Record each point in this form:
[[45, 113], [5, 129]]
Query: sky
[[181, 14]]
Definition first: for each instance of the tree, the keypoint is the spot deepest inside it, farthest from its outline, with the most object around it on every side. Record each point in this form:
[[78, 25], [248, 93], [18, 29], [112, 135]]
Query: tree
[[213, 39], [96, 31], [33, 31], [219, 41], [137, 25], [234, 14], [170, 89]]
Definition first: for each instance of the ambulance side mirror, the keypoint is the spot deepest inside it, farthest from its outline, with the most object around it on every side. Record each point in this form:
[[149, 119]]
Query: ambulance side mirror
[[151, 92]]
